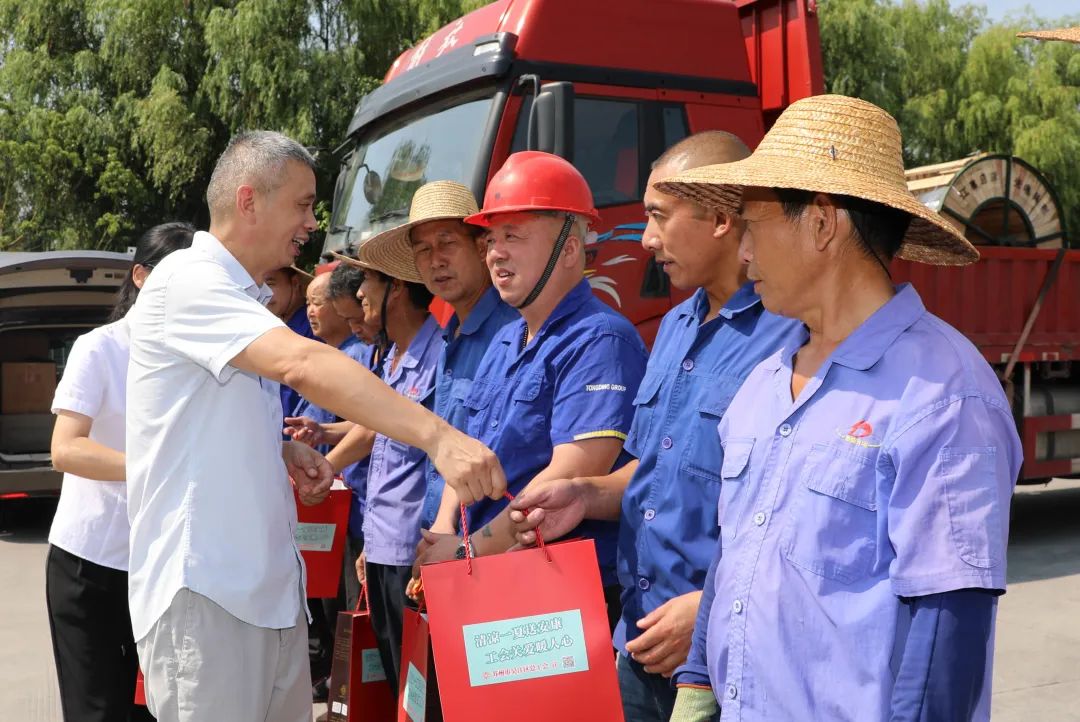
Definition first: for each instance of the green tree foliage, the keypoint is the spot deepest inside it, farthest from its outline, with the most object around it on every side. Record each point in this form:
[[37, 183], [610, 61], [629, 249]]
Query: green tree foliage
[[113, 111], [959, 85]]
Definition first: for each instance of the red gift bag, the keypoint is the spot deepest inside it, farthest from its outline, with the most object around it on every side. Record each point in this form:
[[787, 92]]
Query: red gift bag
[[359, 691], [140, 690], [418, 700], [320, 537], [524, 636]]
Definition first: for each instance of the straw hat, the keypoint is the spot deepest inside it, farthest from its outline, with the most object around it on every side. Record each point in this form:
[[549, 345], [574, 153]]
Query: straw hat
[[390, 251], [838, 145], [304, 275], [350, 261], [1069, 35]]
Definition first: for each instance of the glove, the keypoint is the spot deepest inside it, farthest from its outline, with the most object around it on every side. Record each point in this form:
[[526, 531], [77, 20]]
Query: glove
[[695, 704]]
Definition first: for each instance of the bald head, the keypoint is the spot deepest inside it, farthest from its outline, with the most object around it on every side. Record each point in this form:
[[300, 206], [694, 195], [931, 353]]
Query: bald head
[[708, 147], [319, 288]]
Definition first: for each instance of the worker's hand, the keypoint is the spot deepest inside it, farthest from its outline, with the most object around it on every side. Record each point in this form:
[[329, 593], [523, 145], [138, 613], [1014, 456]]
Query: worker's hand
[[304, 429], [361, 567], [433, 548], [668, 630], [309, 470], [470, 468], [556, 506]]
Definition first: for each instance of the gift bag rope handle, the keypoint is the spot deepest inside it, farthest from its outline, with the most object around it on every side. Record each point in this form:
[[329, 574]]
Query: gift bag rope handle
[[468, 543], [361, 600]]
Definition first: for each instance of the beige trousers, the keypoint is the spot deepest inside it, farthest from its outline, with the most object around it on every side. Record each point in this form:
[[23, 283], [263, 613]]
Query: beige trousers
[[202, 664]]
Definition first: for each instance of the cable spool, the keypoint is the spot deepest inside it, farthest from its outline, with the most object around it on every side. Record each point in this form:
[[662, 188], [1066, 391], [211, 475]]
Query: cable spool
[[995, 200]]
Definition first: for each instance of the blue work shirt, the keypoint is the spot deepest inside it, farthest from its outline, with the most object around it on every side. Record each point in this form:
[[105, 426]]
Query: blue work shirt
[[575, 380], [889, 476], [667, 531], [396, 480], [297, 323], [465, 346]]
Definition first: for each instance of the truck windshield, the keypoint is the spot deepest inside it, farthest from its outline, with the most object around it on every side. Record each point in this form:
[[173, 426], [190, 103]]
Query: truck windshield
[[390, 162]]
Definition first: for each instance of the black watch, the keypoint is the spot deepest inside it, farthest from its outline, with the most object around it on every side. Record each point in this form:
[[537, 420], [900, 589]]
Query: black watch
[[463, 550]]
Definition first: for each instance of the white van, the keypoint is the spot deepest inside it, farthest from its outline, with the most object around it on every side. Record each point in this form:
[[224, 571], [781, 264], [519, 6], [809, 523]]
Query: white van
[[47, 300]]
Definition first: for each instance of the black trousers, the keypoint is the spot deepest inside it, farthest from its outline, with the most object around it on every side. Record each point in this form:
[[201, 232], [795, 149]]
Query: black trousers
[[386, 600], [96, 660]]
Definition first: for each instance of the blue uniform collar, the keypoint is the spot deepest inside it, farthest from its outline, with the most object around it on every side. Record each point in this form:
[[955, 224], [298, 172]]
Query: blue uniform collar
[[741, 301], [480, 313], [869, 342], [571, 302], [411, 359]]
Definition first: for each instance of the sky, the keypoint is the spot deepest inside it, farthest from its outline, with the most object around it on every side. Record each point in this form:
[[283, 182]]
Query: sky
[[1050, 9]]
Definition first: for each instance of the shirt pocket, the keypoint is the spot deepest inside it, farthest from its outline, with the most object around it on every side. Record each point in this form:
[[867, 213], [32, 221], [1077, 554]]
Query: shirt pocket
[[703, 453], [477, 403], [645, 405], [733, 487], [974, 507], [832, 531]]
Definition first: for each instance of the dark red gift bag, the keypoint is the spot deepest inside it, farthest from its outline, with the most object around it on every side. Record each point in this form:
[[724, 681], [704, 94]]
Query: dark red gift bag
[[320, 537], [523, 636], [418, 700], [359, 691]]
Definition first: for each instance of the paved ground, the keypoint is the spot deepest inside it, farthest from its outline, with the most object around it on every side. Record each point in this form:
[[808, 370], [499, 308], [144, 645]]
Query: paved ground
[[1037, 668]]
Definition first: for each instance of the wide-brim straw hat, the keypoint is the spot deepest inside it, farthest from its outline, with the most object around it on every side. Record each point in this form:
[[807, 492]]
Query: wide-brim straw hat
[[836, 145], [1069, 35], [436, 201], [304, 275], [355, 263]]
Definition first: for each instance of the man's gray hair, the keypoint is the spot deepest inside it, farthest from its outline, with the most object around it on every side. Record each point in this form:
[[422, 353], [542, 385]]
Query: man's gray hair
[[256, 158]]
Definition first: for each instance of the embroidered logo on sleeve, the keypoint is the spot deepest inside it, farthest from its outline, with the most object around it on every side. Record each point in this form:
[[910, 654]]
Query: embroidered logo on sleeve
[[860, 434]]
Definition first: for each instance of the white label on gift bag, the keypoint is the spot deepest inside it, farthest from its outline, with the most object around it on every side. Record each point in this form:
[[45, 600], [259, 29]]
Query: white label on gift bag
[[371, 669], [414, 701], [315, 537], [509, 650]]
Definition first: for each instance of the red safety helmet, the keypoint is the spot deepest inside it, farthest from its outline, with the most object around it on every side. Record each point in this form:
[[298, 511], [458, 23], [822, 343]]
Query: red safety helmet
[[536, 181]]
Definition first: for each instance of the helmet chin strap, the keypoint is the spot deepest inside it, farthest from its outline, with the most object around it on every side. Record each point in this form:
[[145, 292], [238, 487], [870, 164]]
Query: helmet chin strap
[[560, 243]]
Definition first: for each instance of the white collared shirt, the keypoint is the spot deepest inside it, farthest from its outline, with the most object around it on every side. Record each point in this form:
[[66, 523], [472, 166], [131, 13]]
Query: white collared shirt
[[209, 498], [91, 518]]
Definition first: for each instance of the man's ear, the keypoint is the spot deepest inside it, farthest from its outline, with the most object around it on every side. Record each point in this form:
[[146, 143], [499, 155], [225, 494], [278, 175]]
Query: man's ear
[[823, 219], [245, 203], [723, 223]]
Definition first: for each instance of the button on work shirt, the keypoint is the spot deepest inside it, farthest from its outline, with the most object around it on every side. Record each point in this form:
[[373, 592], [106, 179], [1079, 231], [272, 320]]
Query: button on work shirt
[[890, 476], [397, 479], [209, 499], [465, 347], [576, 380], [668, 529]]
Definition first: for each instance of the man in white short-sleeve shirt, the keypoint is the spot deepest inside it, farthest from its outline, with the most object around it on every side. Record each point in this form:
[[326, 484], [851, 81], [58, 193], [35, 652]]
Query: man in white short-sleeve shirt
[[216, 582]]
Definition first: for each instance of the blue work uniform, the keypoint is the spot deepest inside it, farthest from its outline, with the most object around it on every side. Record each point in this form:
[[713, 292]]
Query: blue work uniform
[[887, 479], [668, 531], [575, 380], [466, 344], [396, 480], [297, 323]]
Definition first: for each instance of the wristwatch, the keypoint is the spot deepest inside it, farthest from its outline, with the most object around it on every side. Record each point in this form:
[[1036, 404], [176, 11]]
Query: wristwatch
[[465, 548]]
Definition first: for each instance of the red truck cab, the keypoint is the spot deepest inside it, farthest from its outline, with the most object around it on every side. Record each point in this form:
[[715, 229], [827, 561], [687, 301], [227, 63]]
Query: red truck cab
[[614, 85], [610, 86]]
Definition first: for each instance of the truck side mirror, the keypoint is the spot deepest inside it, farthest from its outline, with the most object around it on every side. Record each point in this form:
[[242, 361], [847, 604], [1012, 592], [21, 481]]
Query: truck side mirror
[[554, 120]]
